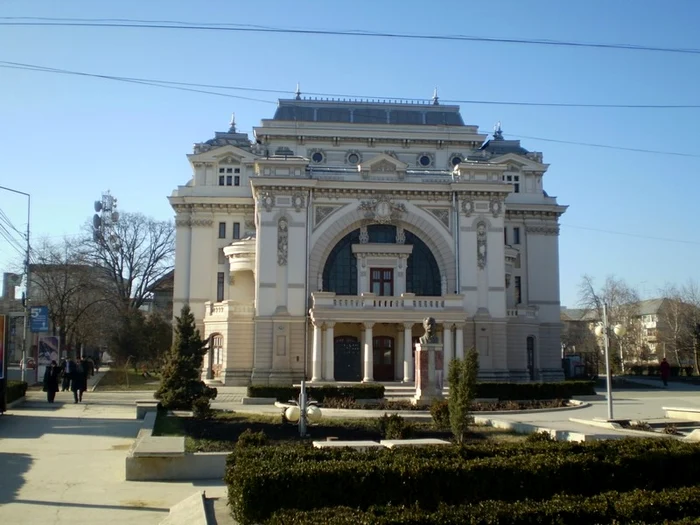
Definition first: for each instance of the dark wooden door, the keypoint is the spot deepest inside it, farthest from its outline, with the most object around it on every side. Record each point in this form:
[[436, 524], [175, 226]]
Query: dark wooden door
[[347, 362], [382, 281], [383, 358]]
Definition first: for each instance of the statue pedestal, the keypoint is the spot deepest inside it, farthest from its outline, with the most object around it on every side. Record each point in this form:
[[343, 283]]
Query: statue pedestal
[[429, 373]]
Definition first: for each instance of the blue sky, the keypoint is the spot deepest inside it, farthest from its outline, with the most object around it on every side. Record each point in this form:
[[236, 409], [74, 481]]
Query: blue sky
[[66, 139]]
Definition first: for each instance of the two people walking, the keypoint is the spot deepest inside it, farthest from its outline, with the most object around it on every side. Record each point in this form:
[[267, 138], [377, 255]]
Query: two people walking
[[73, 374]]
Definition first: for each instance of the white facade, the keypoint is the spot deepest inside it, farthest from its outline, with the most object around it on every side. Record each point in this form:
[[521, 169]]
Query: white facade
[[344, 224]]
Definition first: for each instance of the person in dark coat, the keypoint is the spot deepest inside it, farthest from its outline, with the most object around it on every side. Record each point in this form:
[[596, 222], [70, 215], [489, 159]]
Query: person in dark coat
[[65, 375], [665, 370], [86, 366], [78, 382], [51, 377]]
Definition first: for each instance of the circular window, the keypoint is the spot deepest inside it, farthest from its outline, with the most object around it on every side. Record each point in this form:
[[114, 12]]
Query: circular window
[[455, 160], [317, 157], [353, 158], [425, 160]]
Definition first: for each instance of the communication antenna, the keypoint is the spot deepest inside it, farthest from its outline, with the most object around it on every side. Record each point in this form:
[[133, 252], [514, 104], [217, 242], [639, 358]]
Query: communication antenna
[[106, 216]]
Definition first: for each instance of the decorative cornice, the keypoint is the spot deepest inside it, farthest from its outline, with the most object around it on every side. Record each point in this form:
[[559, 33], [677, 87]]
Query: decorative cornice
[[194, 222], [543, 229], [181, 208]]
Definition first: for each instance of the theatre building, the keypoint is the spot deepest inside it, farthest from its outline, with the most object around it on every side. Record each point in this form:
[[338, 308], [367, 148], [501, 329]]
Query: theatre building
[[341, 225]]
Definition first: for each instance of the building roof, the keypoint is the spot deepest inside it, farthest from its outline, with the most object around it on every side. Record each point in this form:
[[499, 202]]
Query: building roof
[[368, 112], [578, 314], [500, 146], [650, 306]]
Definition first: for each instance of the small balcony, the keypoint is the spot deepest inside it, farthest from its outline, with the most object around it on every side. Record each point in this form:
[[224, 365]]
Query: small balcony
[[241, 255], [226, 310], [527, 313]]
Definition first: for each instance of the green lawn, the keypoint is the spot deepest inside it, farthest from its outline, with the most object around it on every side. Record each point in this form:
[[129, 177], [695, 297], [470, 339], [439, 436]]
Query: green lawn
[[119, 379], [220, 433]]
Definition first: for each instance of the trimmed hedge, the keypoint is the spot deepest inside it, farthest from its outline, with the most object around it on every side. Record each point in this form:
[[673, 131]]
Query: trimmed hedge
[[655, 370], [637, 506], [313, 479], [528, 391], [319, 393], [16, 390], [502, 391]]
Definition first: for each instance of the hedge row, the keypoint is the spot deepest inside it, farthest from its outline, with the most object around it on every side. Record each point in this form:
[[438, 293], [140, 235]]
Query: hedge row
[[429, 479], [16, 390], [319, 393], [655, 370], [502, 391], [637, 506], [526, 391]]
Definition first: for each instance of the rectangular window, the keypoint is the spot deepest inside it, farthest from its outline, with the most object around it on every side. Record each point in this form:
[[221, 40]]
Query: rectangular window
[[221, 180], [516, 235], [505, 235], [229, 180], [382, 281], [236, 230], [236, 180], [222, 230], [237, 170], [222, 170], [220, 286], [229, 170], [514, 180], [518, 290]]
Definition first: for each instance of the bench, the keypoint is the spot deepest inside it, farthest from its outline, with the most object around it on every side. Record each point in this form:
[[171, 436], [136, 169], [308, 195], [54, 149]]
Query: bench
[[686, 414]]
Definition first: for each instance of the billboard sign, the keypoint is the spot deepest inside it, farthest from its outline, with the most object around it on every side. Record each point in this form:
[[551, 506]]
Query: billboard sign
[[39, 319], [48, 350]]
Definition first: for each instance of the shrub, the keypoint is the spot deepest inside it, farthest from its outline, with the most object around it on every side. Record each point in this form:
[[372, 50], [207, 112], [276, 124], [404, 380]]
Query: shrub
[[248, 438], [201, 408], [540, 437], [16, 390], [394, 427], [440, 412], [638, 506], [462, 378], [340, 402], [181, 382], [285, 393], [309, 478]]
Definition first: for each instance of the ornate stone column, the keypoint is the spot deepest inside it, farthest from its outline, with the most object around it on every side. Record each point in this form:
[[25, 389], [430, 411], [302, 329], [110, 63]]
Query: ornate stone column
[[407, 352], [459, 341], [316, 359], [329, 351], [368, 358], [448, 347]]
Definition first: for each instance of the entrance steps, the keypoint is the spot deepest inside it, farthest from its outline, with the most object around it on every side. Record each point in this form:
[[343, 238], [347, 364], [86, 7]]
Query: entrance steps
[[404, 391]]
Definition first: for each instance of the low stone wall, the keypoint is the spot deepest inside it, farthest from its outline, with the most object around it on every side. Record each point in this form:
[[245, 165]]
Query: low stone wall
[[163, 458], [685, 414]]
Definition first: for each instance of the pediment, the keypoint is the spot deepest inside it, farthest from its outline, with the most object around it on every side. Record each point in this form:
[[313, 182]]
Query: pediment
[[522, 162], [222, 155], [382, 163]]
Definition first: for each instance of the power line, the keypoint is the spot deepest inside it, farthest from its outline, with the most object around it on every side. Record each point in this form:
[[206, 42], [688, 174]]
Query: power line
[[163, 84], [158, 82], [248, 28], [627, 234]]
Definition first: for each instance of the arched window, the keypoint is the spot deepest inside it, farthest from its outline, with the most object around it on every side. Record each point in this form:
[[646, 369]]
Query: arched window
[[340, 271], [423, 274]]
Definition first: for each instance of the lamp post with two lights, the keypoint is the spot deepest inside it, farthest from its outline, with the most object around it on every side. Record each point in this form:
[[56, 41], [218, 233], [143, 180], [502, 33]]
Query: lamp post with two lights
[[603, 329]]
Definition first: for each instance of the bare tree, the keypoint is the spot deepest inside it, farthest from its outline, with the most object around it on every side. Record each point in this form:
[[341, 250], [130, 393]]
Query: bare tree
[[136, 252], [690, 293], [675, 323], [622, 305], [71, 289]]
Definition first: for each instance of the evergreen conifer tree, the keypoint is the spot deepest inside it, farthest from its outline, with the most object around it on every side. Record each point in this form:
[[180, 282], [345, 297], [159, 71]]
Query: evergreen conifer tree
[[181, 383], [462, 379]]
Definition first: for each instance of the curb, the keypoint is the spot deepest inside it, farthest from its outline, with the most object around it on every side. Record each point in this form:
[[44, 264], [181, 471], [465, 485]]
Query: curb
[[16, 402]]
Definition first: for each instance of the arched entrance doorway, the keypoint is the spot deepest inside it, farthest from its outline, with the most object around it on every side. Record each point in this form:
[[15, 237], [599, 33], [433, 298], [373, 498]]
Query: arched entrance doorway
[[347, 362]]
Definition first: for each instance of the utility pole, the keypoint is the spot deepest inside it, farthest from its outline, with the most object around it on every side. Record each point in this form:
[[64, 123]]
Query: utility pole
[[26, 338]]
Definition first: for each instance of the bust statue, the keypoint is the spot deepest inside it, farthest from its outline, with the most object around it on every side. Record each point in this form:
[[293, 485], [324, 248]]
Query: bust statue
[[430, 335]]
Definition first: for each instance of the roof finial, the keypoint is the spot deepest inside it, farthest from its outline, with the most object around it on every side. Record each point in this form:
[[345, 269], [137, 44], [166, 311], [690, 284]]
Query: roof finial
[[298, 92], [497, 131], [435, 97], [232, 125]]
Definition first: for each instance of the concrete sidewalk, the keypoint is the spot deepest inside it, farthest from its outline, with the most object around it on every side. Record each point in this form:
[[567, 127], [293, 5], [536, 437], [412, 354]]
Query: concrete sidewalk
[[64, 463]]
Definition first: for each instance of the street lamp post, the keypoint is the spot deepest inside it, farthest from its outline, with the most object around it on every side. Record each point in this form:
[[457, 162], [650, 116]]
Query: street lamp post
[[604, 331], [26, 295]]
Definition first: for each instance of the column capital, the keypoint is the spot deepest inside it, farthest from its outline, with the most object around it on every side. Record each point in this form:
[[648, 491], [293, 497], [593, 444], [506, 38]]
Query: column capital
[[368, 325], [459, 326], [317, 323], [329, 324], [408, 326], [448, 325]]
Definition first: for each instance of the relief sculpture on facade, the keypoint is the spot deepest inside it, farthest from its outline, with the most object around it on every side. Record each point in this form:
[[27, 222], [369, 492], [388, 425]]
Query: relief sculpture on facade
[[282, 241], [481, 245]]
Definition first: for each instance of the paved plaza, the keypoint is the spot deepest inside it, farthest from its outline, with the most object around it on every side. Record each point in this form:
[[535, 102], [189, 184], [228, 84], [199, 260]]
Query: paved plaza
[[64, 463]]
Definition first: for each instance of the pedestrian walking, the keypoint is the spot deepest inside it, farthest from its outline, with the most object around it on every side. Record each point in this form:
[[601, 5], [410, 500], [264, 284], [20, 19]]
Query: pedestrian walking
[[51, 376], [86, 366], [665, 371], [65, 375], [78, 383]]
